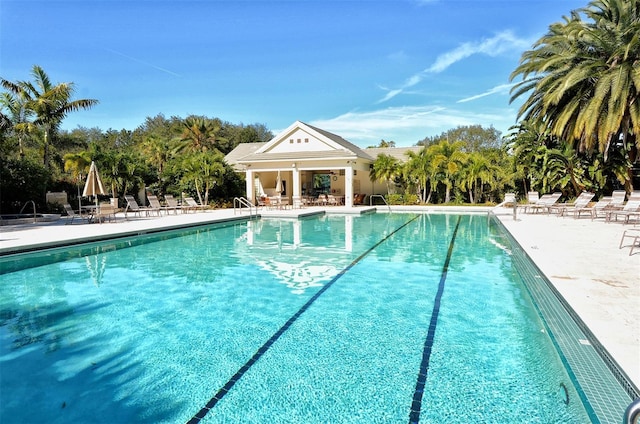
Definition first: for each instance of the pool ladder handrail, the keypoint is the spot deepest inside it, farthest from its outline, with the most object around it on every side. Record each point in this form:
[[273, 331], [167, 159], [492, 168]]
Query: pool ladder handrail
[[35, 216], [239, 202], [632, 414], [380, 196]]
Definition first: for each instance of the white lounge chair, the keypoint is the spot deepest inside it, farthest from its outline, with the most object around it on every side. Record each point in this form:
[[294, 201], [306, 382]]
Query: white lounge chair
[[634, 235], [545, 203], [630, 209]]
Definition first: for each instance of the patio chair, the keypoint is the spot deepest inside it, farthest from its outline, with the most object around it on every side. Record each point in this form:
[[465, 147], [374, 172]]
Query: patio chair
[[332, 200], [193, 205], [105, 212], [617, 199], [598, 210], [132, 206], [532, 198], [634, 235], [172, 203], [154, 204], [630, 209], [72, 214], [576, 207], [545, 203]]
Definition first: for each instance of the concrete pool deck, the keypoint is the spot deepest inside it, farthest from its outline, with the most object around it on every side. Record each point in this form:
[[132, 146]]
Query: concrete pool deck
[[580, 257]]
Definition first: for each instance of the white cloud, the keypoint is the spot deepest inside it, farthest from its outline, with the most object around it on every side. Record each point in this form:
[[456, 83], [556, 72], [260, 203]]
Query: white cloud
[[499, 44], [407, 125], [499, 89]]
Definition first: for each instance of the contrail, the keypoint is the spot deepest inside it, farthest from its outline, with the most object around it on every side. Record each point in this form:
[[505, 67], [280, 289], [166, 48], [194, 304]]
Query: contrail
[[143, 62]]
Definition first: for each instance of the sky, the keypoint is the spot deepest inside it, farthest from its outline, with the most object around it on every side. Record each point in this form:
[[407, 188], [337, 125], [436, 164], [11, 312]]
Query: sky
[[367, 70]]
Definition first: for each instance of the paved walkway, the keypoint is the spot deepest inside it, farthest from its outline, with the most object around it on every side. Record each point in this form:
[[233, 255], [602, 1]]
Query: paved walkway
[[579, 256]]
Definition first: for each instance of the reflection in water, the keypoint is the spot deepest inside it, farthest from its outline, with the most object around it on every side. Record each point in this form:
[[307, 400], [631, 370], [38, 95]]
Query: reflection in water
[[314, 263]]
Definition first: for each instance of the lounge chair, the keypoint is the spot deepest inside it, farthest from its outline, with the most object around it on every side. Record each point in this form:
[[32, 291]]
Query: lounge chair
[[321, 200], [132, 206], [634, 235], [172, 203], [72, 214], [600, 207], [617, 199], [191, 204], [630, 209], [509, 199], [578, 206], [545, 203], [332, 200], [154, 204], [532, 198]]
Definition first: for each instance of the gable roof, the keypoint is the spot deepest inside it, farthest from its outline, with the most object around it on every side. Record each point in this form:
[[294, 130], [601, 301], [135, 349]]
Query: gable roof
[[323, 145], [329, 146]]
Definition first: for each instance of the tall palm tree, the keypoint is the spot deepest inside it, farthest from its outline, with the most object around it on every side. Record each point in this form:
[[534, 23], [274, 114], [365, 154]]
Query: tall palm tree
[[198, 135], [49, 103], [448, 160], [420, 167], [583, 78], [18, 118], [385, 168]]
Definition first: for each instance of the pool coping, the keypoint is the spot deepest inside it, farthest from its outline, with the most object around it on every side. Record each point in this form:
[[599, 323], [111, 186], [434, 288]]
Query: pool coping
[[564, 332]]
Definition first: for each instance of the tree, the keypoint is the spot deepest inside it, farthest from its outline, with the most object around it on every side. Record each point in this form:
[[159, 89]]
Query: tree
[[49, 103], [448, 160], [475, 138], [205, 170], [583, 79], [18, 118], [420, 167], [385, 168], [198, 135]]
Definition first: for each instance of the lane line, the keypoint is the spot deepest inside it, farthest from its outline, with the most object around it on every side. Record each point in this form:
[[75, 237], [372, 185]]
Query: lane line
[[263, 349], [416, 405]]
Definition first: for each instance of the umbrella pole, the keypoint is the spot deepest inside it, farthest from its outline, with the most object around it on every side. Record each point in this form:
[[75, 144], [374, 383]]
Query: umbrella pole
[[79, 198]]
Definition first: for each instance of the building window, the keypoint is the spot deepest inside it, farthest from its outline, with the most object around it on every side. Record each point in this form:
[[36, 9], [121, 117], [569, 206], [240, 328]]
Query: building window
[[299, 140], [291, 140], [306, 140]]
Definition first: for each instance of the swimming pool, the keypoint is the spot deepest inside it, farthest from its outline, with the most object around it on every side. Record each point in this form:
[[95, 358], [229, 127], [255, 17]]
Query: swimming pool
[[377, 318]]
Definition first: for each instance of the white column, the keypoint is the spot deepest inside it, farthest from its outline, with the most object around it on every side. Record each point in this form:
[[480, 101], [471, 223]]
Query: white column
[[250, 186], [297, 188], [348, 186]]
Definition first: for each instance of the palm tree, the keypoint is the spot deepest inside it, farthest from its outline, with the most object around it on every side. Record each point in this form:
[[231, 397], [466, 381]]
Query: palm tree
[[583, 78], [18, 118], [198, 135], [49, 103], [385, 168], [205, 170], [477, 172], [448, 160], [420, 167]]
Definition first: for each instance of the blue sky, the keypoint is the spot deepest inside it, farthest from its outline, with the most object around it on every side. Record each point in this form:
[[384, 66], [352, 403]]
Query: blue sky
[[367, 70]]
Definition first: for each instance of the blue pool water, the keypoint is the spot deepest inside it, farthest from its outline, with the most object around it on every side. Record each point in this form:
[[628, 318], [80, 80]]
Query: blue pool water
[[381, 318]]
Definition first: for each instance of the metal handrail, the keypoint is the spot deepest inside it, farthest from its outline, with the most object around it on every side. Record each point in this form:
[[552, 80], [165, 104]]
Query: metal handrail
[[239, 202], [35, 216], [380, 196], [632, 414]]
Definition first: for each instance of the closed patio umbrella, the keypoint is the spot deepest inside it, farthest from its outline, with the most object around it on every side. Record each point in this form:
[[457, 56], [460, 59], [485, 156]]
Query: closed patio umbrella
[[93, 186], [278, 184]]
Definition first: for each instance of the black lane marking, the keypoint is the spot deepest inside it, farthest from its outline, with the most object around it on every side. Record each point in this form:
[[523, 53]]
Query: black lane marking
[[263, 349], [416, 405]]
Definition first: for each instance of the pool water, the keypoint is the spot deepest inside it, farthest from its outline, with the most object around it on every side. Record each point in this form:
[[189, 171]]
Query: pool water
[[380, 318]]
